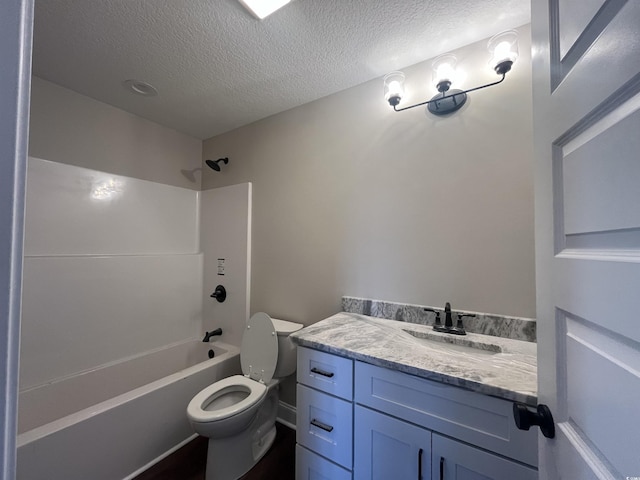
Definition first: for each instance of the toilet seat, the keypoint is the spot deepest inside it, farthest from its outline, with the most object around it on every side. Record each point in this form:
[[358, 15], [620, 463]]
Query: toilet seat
[[259, 348], [197, 407]]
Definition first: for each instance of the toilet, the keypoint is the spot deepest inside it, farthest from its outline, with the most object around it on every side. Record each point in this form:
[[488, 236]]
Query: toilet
[[238, 413]]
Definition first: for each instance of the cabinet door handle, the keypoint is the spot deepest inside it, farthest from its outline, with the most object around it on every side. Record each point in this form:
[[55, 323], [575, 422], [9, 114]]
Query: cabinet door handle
[[323, 426], [322, 372], [420, 464], [441, 468]]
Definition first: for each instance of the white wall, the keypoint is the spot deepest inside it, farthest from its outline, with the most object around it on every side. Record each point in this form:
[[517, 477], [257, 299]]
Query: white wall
[[353, 198], [67, 127], [106, 274], [225, 232]]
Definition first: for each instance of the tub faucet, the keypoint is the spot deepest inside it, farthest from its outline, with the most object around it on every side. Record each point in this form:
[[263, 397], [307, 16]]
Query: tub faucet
[[212, 333]]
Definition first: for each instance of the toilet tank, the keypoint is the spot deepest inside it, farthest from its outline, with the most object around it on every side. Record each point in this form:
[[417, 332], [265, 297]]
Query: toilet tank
[[286, 348]]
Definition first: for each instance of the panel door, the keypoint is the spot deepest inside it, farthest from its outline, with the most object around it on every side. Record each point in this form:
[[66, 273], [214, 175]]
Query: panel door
[[586, 91], [387, 448], [454, 460]]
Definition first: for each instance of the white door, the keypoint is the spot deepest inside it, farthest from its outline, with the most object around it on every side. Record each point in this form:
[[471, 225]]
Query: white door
[[586, 91]]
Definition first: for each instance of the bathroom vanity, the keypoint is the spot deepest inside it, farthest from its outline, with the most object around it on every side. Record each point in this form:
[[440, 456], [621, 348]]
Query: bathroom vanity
[[381, 399]]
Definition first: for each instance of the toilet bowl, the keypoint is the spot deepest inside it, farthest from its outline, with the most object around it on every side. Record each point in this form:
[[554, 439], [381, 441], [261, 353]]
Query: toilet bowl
[[238, 413]]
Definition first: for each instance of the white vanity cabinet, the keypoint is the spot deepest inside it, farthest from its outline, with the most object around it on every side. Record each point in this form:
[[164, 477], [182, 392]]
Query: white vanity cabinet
[[324, 423], [360, 421]]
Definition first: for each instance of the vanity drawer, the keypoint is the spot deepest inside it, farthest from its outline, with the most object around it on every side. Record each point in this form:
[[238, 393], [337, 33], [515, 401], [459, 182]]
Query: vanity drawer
[[469, 416], [325, 425], [326, 372], [310, 466]]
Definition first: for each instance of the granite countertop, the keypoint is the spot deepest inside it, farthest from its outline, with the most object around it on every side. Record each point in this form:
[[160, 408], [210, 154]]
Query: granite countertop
[[500, 367]]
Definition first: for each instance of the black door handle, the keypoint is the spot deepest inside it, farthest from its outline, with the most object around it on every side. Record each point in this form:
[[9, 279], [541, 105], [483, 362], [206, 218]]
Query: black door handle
[[322, 372], [542, 417], [323, 426]]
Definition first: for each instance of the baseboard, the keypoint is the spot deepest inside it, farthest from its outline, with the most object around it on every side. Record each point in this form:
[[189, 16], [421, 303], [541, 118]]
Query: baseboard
[[287, 415]]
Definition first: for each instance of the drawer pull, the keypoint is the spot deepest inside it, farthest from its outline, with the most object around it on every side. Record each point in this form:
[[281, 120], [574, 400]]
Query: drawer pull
[[323, 426], [420, 464], [441, 468], [322, 372]]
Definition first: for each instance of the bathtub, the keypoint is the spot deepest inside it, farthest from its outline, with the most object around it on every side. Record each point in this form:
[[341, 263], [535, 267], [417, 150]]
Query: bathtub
[[115, 421]]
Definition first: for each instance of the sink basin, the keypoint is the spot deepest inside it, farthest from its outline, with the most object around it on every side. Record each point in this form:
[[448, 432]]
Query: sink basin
[[482, 344]]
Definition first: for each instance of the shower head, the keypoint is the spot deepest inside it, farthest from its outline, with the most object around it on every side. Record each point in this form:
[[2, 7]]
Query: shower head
[[214, 163]]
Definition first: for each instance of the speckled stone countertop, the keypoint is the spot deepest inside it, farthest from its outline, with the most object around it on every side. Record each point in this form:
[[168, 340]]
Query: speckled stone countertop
[[499, 367]]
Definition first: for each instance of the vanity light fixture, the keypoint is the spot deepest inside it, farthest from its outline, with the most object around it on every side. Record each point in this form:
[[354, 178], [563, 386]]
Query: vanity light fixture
[[503, 48]]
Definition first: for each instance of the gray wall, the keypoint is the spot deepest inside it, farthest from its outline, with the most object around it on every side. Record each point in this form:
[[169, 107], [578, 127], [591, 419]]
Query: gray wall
[[67, 127], [351, 198]]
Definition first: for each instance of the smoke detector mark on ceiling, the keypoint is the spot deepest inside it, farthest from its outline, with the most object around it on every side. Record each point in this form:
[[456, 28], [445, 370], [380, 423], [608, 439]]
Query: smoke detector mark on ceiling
[[140, 88], [263, 8]]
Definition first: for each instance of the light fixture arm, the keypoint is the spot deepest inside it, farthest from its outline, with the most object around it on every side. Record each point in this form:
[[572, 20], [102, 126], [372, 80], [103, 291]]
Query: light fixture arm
[[455, 93]]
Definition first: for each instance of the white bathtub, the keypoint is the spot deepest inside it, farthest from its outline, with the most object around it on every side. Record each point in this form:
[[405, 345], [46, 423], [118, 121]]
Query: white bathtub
[[114, 422]]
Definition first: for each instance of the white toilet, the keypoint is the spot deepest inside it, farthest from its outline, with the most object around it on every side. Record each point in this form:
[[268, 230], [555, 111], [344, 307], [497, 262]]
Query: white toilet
[[238, 413]]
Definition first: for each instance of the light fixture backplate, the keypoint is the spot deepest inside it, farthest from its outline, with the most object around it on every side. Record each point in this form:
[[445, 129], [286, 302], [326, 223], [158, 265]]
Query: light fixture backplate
[[454, 100]]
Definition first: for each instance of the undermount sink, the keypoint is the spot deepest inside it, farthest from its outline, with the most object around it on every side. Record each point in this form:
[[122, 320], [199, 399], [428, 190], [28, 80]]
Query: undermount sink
[[482, 344]]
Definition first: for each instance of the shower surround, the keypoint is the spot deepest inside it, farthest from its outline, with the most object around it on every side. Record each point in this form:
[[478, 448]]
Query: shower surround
[[115, 267]]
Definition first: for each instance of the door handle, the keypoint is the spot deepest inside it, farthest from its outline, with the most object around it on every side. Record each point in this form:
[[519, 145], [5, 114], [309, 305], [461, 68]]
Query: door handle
[[420, 464], [441, 468], [542, 417]]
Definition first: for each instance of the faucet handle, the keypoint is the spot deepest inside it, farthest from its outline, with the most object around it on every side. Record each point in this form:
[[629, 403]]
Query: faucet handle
[[459, 325], [437, 312]]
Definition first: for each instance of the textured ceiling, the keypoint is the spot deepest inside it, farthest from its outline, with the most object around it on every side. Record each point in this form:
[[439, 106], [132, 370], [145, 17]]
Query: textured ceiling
[[217, 68]]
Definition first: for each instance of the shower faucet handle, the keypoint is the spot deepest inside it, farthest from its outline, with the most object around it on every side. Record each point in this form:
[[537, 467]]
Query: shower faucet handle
[[219, 294]]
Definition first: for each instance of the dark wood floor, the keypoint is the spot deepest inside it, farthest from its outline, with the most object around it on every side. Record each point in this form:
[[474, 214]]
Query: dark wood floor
[[189, 462]]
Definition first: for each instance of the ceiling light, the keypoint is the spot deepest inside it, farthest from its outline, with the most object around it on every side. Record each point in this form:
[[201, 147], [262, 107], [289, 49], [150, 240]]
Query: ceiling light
[[263, 8], [140, 88], [504, 52]]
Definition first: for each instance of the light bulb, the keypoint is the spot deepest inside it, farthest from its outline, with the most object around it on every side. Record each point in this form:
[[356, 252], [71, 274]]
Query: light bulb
[[504, 51], [394, 87], [444, 71]]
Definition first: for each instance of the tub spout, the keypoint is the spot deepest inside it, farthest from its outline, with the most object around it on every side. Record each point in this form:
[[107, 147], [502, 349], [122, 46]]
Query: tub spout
[[212, 333]]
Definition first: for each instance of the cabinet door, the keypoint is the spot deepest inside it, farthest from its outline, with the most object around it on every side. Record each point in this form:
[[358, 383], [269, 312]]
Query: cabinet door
[[453, 460], [310, 466], [388, 448]]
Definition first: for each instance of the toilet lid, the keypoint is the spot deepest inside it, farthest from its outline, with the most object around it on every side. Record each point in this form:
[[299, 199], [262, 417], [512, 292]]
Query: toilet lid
[[259, 350]]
